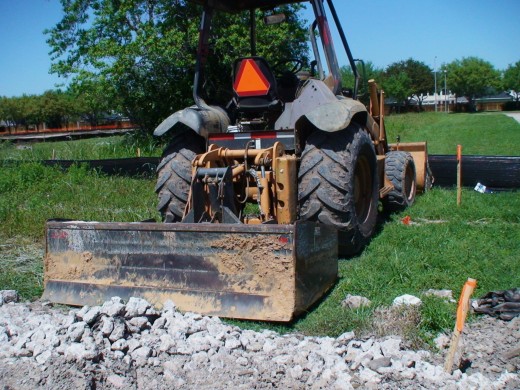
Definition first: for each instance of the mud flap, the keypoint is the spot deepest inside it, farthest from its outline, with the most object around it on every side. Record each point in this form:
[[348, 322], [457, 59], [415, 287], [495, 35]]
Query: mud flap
[[257, 272]]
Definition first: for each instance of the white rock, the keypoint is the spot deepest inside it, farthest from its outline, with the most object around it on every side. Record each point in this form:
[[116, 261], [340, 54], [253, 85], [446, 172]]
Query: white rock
[[117, 381], [199, 342], [379, 363], [78, 352], [269, 346], [355, 301], [139, 322], [136, 307], [91, 315], [81, 312], [114, 307], [283, 359], [391, 347], [169, 306], [369, 377], [296, 371], [344, 338], [142, 352], [133, 344], [8, 296], [430, 372], [406, 300], [159, 323], [76, 330], [119, 345], [442, 341], [200, 358], [43, 357], [446, 294], [343, 382], [107, 325], [233, 343], [118, 332]]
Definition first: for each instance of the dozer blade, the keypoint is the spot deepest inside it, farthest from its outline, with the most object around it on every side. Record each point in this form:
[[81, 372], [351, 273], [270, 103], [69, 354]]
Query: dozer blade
[[259, 272]]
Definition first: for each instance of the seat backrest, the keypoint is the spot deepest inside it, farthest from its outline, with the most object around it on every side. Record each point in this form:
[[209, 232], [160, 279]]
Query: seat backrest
[[254, 85]]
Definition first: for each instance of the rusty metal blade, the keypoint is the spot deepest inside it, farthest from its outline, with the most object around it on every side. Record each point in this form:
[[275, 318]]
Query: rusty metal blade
[[260, 272]]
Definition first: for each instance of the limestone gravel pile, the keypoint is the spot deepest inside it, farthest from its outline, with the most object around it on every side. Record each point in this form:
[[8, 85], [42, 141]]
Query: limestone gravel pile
[[131, 345]]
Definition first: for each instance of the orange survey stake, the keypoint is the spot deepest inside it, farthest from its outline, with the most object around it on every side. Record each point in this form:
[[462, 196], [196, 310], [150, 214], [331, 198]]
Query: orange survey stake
[[462, 309], [462, 312]]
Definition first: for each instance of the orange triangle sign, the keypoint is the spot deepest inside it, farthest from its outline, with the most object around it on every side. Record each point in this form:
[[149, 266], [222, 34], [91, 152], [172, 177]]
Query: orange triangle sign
[[250, 80]]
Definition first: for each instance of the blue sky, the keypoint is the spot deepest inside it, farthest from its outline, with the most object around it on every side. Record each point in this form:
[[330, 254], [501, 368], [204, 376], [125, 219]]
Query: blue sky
[[381, 31]]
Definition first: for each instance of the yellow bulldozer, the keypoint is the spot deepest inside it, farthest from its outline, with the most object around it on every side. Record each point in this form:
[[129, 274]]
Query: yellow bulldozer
[[259, 195]]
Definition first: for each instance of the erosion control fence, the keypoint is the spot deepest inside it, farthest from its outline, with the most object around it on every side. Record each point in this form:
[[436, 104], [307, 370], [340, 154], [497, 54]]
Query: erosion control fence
[[495, 172]]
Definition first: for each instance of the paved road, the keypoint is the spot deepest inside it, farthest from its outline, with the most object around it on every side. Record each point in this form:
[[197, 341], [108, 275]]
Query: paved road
[[515, 115]]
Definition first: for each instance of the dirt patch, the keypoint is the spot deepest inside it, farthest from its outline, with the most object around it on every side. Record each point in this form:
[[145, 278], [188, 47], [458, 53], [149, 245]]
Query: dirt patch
[[262, 265], [72, 265]]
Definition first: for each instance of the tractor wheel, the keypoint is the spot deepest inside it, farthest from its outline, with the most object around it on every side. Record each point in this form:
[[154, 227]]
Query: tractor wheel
[[400, 170], [338, 185], [174, 175]]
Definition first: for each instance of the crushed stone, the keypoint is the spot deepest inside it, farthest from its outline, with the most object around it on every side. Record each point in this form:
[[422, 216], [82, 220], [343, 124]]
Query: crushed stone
[[132, 346]]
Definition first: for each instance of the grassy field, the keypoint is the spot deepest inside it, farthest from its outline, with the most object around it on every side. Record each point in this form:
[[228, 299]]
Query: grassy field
[[85, 149], [440, 249], [479, 134]]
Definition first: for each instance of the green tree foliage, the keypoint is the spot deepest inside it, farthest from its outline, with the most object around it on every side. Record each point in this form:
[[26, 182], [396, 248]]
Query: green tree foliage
[[367, 72], [472, 77], [144, 50], [53, 109], [511, 79], [398, 86], [93, 99], [418, 81]]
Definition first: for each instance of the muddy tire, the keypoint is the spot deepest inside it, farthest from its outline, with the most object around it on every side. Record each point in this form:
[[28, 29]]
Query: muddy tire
[[400, 170], [338, 185], [174, 175]]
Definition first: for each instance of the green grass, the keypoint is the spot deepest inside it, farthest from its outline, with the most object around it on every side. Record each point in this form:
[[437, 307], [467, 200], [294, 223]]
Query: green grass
[[86, 149], [444, 245], [31, 193], [479, 134]]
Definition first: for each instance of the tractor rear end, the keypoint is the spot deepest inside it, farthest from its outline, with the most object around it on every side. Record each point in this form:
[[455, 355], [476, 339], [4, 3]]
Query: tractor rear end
[[258, 195]]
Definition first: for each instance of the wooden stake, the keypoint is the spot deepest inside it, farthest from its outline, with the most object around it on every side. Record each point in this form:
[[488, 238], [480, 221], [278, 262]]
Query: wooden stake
[[459, 175], [462, 312], [138, 152]]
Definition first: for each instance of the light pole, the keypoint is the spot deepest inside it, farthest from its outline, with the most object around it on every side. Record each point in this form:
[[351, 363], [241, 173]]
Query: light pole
[[445, 92], [435, 78]]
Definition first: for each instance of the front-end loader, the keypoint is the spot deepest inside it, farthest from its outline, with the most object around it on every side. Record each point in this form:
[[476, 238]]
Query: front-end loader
[[259, 194]]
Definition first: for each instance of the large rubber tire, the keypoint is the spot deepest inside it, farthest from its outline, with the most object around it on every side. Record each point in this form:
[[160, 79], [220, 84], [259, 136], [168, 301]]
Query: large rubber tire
[[400, 170], [338, 185], [174, 175]]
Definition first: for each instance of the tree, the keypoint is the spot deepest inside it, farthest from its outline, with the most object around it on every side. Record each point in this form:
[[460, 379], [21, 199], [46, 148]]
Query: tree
[[367, 72], [511, 80], [56, 108], [419, 75], [398, 86], [472, 77], [145, 50], [94, 99]]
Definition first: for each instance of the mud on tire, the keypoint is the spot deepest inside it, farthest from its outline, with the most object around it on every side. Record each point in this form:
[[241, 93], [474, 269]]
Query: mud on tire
[[338, 185], [174, 175], [400, 170]]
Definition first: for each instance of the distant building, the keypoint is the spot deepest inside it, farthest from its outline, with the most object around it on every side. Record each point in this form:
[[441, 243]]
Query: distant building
[[444, 102], [494, 102]]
